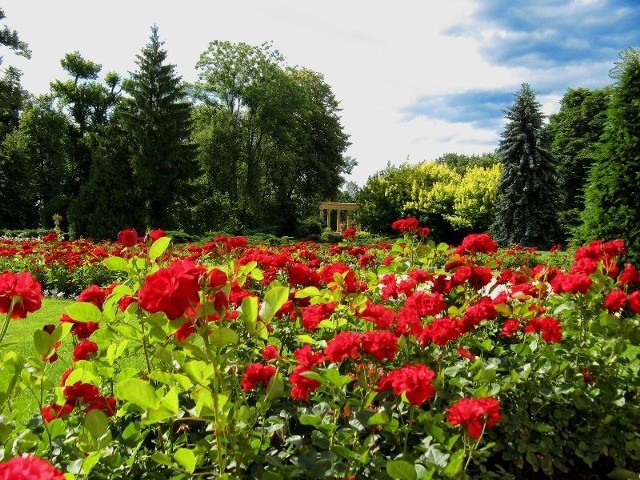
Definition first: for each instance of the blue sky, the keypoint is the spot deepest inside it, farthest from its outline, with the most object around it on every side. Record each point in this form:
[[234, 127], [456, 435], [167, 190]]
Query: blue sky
[[416, 79]]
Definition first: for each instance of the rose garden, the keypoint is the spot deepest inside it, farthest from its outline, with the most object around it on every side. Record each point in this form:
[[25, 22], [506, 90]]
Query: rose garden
[[400, 360]]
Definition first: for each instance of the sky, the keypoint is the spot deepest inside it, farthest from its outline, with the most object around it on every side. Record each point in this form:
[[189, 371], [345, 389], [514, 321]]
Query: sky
[[415, 79]]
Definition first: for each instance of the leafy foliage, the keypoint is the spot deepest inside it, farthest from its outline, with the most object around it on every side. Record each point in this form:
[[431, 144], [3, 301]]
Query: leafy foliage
[[452, 201], [611, 208], [576, 130]]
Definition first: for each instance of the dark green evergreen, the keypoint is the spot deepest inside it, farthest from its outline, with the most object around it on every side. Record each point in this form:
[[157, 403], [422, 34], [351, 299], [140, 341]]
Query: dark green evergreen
[[108, 202], [612, 208], [576, 130], [528, 190], [157, 118]]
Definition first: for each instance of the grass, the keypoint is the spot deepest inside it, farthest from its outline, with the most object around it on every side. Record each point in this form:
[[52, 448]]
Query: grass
[[19, 337]]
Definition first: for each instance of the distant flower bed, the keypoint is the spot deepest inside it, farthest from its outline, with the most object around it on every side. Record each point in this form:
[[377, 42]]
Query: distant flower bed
[[401, 360]]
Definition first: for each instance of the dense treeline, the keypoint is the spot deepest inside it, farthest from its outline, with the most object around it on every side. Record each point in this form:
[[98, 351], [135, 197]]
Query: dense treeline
[[572, 179], [253, 144]]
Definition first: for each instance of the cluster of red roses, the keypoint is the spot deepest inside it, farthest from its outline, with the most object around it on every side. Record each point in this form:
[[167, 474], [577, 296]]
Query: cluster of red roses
[[410, 225], [80, 394]]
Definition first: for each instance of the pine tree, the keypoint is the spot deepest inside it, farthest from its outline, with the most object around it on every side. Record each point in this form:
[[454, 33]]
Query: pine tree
[[528, 188], [611, 198], [158, 120]]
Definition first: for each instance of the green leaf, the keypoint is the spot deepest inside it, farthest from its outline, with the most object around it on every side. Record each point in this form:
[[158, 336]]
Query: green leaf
[[273, 301], [344, 452], [313, 420], [84, 312], [139, 392], [42, 341], [186, 459], [378, 418], [171, 402], [91, 460], [275, 389], [198, 371], [116, 264], [455, 464], [97, 423], [250, 313], [223, 336], [159, 247], [333, 375], [401, 470], [308, 292]]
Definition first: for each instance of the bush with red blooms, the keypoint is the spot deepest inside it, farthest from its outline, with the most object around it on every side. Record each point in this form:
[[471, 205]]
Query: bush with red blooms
[[474, 414], [255, 361]]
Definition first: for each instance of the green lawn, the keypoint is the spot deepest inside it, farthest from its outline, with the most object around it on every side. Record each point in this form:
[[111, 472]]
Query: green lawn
[[20, 334]]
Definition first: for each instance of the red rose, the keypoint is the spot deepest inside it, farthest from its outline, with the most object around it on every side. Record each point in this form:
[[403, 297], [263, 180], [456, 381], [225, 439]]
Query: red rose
[[84, 350], [53, 411], [440, 331], [633, 299], [343, 345], [615, 300], [477, 243], [474, 413], [255, 374], [381, 344], [128, 237], [510, 327], [270, 352], [463, 352], [29, 467], [217, 278], [21, 291], [94, 294], [156, 234], [571, 283], [349, 233], [406, 225], [550, 327], [412, 380], [171, 290]]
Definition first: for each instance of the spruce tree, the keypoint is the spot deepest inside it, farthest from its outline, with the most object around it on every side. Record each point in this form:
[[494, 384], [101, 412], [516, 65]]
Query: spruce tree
[[528, 188], [158, 119], [612, 193]]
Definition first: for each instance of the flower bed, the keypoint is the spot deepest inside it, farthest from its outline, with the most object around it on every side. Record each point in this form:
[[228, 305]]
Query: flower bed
[[406, 360]]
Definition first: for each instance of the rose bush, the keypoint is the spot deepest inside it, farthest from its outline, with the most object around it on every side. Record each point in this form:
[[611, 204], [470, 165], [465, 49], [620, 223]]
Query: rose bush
[[406, 360]]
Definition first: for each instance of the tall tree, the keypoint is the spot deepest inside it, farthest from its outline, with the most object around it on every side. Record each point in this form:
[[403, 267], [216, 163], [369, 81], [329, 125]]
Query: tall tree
[[528, 189], [278, 141], [611, 199], [40, 146], [575, 131], [87, 102], [158, 119]]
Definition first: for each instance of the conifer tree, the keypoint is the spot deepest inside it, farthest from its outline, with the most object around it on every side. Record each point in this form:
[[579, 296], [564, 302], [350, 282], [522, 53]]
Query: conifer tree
[[528, 188], [158, 120], [612, 193]]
